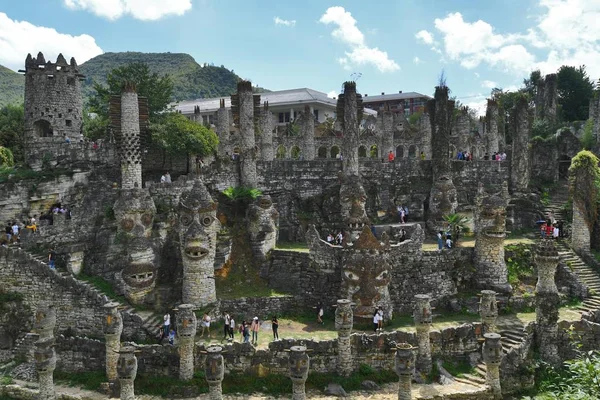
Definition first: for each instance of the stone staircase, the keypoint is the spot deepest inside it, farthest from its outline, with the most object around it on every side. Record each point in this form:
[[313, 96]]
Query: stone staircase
[[587, 275]]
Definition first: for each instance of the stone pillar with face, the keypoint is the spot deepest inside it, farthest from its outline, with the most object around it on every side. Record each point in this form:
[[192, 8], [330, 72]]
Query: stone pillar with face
[[186, 332], [352, 206], [127, 371], [492, 356], [263, 225], [135, 211], [547, 300], [113, 327], [198, 228], [422, 315], [344, 319], [45, 363], [405, 368], [45, 320], [490, 226], [214, 371], [366, 275], [299, 365], [488, 310]]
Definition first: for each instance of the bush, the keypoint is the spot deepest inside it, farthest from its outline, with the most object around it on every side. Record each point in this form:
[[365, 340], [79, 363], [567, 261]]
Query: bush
[[519, 263], [241, 193]]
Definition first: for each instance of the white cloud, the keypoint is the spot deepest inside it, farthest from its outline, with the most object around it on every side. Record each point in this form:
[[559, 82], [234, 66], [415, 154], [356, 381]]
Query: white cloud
[[417, 60], [284, 22], [565, 33], [360, 54], [479, 105], [145, 10], [333, 94], [489, 84], [425, 36], [17, 38]]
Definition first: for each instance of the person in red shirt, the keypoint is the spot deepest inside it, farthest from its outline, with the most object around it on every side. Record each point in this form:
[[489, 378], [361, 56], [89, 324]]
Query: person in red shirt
[[391, 157], [549, 229]]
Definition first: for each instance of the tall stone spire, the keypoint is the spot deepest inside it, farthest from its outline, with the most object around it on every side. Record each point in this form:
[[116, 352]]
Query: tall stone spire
[[520, 158], [349, 112], [243, 105]]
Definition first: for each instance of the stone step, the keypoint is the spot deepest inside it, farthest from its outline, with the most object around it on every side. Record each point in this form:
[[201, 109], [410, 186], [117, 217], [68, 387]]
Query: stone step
[[468, 382], [474, 378], [481, 369]]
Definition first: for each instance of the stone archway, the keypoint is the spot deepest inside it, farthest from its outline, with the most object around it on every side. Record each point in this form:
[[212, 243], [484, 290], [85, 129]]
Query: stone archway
[[322, 152], [362, 152], [374, 151], [564, 162], [43, 128], [334, 152], [400, 152], [295, 152], [281, 152]]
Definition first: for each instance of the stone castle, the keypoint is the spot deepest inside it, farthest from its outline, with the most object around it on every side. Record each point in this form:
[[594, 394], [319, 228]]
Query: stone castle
[[163, 246]]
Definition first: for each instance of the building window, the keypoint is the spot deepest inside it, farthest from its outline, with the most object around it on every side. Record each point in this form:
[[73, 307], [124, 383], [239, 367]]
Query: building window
[[316, 112], [211, 119], [69, 122], [284, 117]]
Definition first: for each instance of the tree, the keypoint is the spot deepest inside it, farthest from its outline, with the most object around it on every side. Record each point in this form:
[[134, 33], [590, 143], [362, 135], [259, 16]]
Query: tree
[[12, 130], [95, 126], [157, 89], [532, 82], [458, 224], [174, 134], [575, 90]]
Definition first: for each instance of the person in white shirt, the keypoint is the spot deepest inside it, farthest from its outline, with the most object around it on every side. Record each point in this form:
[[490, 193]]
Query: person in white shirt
[[231, 328], [205, 324], [227, 320], [166, 324], [380, 322], [375, 321], [449, 243]]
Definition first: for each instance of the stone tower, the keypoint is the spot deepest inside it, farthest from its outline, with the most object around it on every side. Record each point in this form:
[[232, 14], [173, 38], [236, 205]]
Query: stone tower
[[127, 371], [405, 368], [113, 327], [492, 356], [214, 372], [422, 316], [520, 170], [222, 128], [246, 109], [45, 320], [546, 98], [490, 230], [443, 196], [491, 127], [307, 131], [53, 100], [344, 320], [350, 112], [594, 115], [186, 332], [197, 227], [267, 124], [45, 363]]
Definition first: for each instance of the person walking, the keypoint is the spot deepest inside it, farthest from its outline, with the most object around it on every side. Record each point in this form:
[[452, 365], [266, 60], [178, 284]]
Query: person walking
[[440, 241], [205, 325], [226, 321], [320, 313], [255, 327], [231, 328], [275, 326], [380, 322], [246, 332], [51, 258], [375, 321], [166, 324]]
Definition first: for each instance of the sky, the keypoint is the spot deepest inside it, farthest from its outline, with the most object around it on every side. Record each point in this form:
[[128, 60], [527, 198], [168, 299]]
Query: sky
[[385, 45]]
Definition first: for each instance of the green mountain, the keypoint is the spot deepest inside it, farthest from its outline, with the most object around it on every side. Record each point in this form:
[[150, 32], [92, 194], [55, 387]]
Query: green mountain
[[191, 80], [11, 87]]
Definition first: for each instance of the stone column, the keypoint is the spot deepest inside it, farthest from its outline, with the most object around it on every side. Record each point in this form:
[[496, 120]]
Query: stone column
[[422, 316], [45, 363], [405, 368], [267, 153], [387, 132], [443, 195], [127, 371], [186, 332], [349, 112], [131, 155], [550, 97], [45, 320], [488, 310], [492, 356], [580, 233], [214, 371], [343, 324], [243, 108], [113, 327], [520, 147], [299, 364], [222, 128], [594, 115], [547, 302], [308, 134], [491, 131]]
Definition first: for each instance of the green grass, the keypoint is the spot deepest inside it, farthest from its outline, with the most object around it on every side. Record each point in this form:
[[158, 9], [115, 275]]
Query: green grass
[[99, 283], [19, 174], [6, 380], [85, 380], [458, 368]]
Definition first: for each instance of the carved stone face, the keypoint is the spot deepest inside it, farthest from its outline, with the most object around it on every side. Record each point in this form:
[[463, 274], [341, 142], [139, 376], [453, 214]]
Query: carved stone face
[[263, 222], [113, 322], [45, 357], [45, 320], [352, 205], [135, 213], [365, 279], [186, 321], [214, 368], [405, 359], [443, 198], [492, 220], [127, 364], [344, 316], [299, 363]]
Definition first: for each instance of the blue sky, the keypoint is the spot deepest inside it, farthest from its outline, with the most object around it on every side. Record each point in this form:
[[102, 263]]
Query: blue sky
[[394, 45]]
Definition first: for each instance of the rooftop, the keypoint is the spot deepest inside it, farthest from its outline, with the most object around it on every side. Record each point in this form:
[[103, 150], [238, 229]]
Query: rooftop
[[394, 96]]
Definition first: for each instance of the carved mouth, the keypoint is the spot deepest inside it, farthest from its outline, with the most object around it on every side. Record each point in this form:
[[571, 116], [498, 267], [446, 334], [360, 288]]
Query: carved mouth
[[356, 225], [139, 275], [196, 252], [494, 233]]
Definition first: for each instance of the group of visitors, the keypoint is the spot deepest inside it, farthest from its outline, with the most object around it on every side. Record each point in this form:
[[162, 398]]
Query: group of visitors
[[166, 178], [378, 320], [550, 230], [464, 155], [402, 211], [337, 239], [444, 239]]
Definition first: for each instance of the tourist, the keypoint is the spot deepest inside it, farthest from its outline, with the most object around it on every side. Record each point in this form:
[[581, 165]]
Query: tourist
[[402, 214], [205, 324], [8, 231], [320, 313], [549, 230], [503, 156], [32, 224], [448, 242], [375, 321], [226, 322], [380, 322], [339, 238], [163, 178], [405, 214], [95, 145], [422, 155], [543, 230], [402, 235], [330, 238], [560, 225], [172, 337], [555, 231], [241, 329], [255, 328], [51, 258], [160, 334], [166, 324], [246, 332], [15, 231], [231, 329], [67, 140], [486, 156], [275, 326], [391, 156], [440, 241], [168, 177]]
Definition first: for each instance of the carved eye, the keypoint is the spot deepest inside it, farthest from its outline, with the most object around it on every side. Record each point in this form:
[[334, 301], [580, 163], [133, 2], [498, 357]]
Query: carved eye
[[186, 219], [129, 362], [207, 221], [346, 198], [382, 276], [147, 219], [127, 224], [351, 276]]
